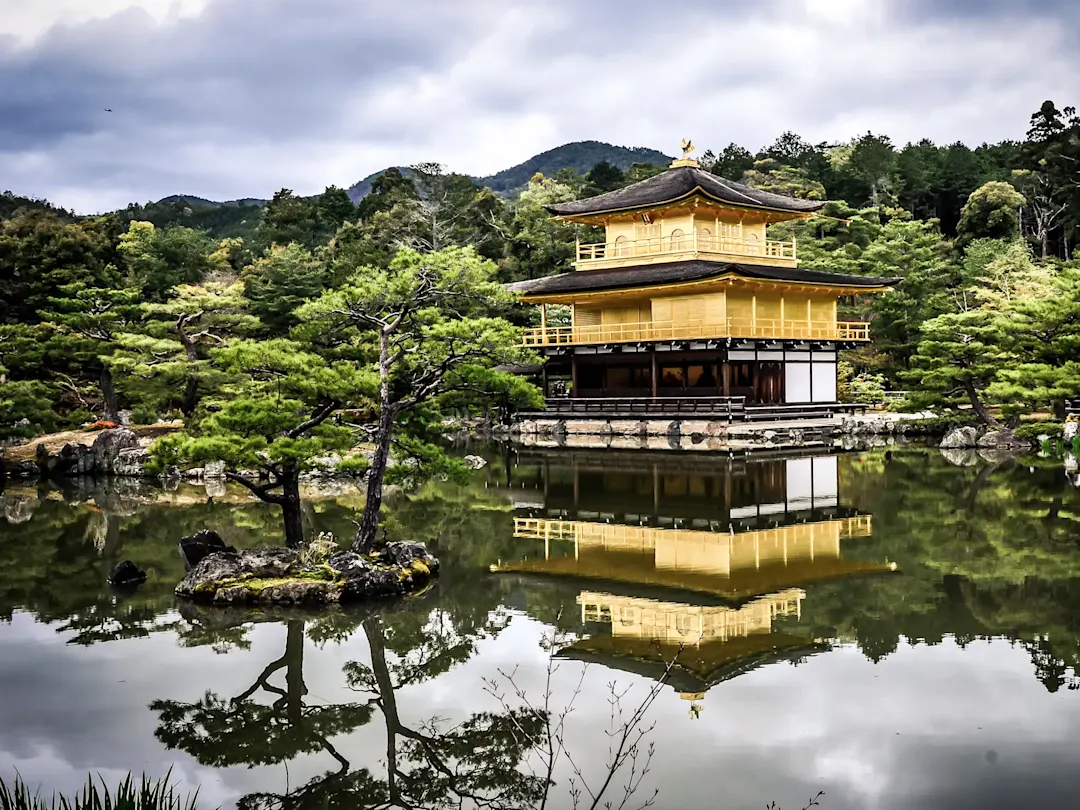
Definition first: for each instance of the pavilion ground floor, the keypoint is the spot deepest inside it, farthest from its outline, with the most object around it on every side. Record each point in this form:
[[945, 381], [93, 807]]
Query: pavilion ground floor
[[754, 372]]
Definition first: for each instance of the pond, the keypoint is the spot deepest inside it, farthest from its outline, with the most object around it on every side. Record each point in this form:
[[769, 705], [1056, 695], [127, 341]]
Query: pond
[[894, 629]]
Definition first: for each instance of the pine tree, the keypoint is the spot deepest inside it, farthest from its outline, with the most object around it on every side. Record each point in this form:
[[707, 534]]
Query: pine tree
[[431, 322], [89, 322], [167, 362]]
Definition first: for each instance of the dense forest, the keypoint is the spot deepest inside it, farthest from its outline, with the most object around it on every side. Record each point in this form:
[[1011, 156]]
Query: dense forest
[[128, 310]]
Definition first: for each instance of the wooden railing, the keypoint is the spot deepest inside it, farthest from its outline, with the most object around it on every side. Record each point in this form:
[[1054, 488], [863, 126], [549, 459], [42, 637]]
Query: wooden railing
[[683, 406], [690, 244], [644, 536], [697, 330]]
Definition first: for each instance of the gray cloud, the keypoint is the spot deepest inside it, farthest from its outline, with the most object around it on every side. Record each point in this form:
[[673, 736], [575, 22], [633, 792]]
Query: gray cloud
[[970, 10], [242, 98]]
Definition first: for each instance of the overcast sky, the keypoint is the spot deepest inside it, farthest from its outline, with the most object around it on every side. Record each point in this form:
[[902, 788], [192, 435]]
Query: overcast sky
[[237, 98]]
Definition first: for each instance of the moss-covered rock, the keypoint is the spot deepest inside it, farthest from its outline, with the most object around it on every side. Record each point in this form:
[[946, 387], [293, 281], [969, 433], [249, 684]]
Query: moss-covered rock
[[267, 576]]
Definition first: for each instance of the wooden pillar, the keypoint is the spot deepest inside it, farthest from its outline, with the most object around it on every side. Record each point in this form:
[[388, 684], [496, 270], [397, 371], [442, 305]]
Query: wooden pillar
[[753, 315], [653, 374], [543, 320], [656, 490], [725, 373], [573, 376], [783, 325], [544, 379]]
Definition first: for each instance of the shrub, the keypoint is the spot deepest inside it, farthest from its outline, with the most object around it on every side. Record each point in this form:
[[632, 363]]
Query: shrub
[[1032, 430], [143, 415], [148, 794]]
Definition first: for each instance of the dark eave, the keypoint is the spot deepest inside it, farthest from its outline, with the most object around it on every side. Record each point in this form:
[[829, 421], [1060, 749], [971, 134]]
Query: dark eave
[[681, 183], [650, 275]]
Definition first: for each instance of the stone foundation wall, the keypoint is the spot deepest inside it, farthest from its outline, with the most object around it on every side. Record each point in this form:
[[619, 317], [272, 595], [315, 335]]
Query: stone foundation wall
[[699, 434]]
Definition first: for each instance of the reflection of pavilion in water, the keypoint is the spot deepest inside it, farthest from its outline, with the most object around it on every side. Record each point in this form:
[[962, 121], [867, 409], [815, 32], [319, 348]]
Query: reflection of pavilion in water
[[697, 564]]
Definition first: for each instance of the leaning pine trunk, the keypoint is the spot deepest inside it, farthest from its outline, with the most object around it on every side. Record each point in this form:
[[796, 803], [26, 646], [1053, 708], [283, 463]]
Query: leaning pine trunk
[[369, 523], [108, 395], [291, 510], [977, 406]]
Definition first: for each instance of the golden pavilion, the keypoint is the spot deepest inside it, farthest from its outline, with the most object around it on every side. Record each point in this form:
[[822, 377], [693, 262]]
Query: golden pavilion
[[687, 297]]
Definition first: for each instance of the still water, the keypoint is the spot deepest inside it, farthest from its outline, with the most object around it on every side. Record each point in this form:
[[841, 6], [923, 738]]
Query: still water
[[894, 630]]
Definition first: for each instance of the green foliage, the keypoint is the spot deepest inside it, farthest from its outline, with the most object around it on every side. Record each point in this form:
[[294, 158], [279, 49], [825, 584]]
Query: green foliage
[[541, 245], [1033, 430], [158, 260], [275, 416], [218, 221], [771, 175], [166, 363], [390, 188], [732, 163], [13, 206], [335, 208], [991, 212], [868, 388], [40, 254], [147, 794], [287, 219], [431, 322], [89, 323], [27, 408], [605, 177], [280, 281]]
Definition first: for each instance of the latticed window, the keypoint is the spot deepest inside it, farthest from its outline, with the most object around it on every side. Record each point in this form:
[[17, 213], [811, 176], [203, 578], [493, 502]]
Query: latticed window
[[647, 237], [678, 240], [704, 239], [622, 246]]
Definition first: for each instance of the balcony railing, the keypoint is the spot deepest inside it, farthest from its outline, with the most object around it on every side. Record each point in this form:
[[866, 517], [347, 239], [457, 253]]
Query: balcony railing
[[555, 529], [698, 330], [683, 246]]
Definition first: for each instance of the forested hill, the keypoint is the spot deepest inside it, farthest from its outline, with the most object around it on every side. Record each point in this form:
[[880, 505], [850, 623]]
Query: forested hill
[[190, 199], [358, 191], [579, 156], [12, 205]]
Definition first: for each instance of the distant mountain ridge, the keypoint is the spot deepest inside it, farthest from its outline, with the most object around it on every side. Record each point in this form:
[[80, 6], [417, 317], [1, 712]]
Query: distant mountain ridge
[[191, 199], [580, 156]]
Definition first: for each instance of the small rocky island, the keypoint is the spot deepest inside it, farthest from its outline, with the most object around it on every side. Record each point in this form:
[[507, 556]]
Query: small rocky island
[[221, 575]]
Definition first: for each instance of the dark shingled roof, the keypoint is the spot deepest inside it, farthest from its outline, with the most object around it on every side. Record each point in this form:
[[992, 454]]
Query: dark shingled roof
[[675, 272], [679, 183]]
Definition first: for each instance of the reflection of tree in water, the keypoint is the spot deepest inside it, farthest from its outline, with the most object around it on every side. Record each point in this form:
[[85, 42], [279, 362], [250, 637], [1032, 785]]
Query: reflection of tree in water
[[429, 765], [986, 552], [222, 732]]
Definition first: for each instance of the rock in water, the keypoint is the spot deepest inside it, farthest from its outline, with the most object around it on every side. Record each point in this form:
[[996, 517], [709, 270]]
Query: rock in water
[[1003, 440], [131, 462], [959, 438], [214, 471], [107, 447], [1071, 430], [277, 576], [126, 574], [475, 462], [960, 456], [201, 545]]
